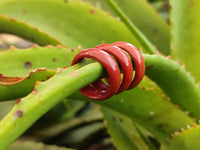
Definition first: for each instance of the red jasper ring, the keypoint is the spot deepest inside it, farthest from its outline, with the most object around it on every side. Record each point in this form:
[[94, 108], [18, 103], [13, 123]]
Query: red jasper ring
[[104, 53], [124, 62], [137, 60], [112, 69]]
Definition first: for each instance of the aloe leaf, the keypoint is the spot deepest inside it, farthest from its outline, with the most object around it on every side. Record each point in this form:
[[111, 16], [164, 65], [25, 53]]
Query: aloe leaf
[[185, 33], [12, 26], [158, 116], [24, 145], [16, 62], [92, 27], [144, 18], [82, 136], [148, 22], [44, 97], [187, 139], [20, 87], [152, 112], [123, 132], [21, 72], [78, 114], [175, 82]]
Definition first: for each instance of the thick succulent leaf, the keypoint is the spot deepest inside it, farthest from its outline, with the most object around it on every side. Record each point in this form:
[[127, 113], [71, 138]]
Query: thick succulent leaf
[[123, 132], [12, 26], [152, 112], [44, 97], [24, 145], [81, 136], [175, 82], [16, 62], [19, 68], [61, 112], [148, 22], [144, 17], [150, 100], [76, 23], [16, 87], [187, 139], [185, 33], [77, 114]]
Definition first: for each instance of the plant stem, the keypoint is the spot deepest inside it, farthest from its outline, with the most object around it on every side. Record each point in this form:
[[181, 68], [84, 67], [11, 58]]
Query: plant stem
[[139, 35], [44, 97]]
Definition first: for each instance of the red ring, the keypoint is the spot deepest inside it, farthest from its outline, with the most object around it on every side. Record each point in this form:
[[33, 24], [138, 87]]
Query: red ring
[[113, 71], [123, 60], [137, 60]]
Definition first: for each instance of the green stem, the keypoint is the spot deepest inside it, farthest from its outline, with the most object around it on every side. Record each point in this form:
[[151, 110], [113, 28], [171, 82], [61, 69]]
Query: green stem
[[139, 35], [44, 97]]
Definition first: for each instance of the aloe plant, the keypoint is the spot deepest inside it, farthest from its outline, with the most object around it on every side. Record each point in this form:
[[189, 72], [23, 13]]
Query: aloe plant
[[43, 89]]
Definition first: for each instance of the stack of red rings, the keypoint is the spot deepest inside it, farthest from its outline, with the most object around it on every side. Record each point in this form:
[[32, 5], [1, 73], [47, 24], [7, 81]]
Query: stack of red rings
[[99, 90]]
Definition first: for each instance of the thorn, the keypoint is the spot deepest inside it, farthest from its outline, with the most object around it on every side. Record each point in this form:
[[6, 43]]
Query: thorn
[[80, 47], [58, 70], [177, 61], [169, 57], [157, 52], [37, 83], [188, 126], [59, 46], [189, 73], [50, 46], [151, 113], [35, 45], [12, 47], [187, 112], [176, 133], [194, 125], [183, 66], [182, 129]]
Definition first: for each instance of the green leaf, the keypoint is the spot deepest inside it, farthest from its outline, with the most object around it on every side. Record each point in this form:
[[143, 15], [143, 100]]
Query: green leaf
[[148, 22], [123, 132], [76, 23], [21, 73], [145, 18], [12, 26], [16, 62], [185, 33], [187, 139], [19, 87], [77, 114], [152, 112], [44, 97], [81, 136], [175, 82], [30, 145]]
